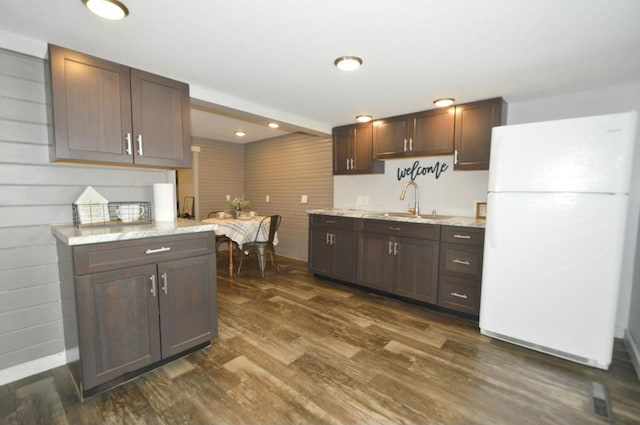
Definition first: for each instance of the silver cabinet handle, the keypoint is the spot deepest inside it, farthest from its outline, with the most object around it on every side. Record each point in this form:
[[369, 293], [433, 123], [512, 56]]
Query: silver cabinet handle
[[395, 229], [390, 248], [463, 262], [333, 238], [395, 248], [455, 294], [462, 236], [140, 144], [154, 251], [348, 164], [405, 145], [410, 144], [128, 139], [153, 284], [455, 157], [165, 284], [353, 164], [327, 239]]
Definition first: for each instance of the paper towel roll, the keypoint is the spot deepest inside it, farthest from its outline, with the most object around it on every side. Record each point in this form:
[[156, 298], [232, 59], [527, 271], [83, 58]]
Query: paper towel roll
[[164, 202]]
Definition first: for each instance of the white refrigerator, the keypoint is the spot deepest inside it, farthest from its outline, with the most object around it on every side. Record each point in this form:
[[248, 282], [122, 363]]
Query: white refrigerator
[[556, 216]]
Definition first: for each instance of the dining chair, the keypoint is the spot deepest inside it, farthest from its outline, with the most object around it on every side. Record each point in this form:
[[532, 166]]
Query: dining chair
[[262, 247], [220, 239]]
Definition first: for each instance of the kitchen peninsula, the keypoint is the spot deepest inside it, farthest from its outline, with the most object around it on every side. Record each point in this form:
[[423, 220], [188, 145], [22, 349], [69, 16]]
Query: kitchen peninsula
[[144, 295], [432, 260]]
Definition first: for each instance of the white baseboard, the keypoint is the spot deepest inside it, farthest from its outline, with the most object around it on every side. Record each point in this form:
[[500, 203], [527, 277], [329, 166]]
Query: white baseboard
[[23, 370], [634, 351]]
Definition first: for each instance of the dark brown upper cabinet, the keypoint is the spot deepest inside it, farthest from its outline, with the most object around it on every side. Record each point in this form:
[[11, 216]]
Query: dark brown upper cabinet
[[420, 134], [474, 122], [353, 150], [109, 113]]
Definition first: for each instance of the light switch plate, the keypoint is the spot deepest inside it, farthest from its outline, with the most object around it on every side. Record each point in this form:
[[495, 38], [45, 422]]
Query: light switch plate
[[266, 198]]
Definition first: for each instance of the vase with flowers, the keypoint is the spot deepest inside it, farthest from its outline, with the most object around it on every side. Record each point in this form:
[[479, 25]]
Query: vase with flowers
[[237, 205]]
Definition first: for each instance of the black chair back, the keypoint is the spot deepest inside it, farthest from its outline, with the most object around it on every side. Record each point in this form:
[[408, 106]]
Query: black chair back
[[274, 224]]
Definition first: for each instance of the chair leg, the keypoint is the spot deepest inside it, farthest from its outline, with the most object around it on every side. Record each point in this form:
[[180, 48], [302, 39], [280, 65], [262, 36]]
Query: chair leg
[[274, 257], [261, 254], [240, 256]]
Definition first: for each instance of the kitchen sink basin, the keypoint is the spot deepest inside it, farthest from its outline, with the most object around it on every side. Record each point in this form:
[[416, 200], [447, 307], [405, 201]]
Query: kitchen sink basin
[[426, 216]]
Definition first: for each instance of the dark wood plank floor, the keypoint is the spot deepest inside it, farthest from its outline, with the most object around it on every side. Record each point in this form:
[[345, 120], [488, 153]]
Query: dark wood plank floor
[[297, 349]]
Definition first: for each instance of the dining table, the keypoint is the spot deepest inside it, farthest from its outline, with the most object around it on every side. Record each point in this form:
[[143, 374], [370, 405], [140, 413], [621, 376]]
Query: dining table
[[242, 230]]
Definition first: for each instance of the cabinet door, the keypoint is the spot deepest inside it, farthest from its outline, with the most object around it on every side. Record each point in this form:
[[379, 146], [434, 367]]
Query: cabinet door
[[390, 138], [432, 132], [118, 326], [91, 107], [345, 248], [417, 269], [375, 261], [187, 293], [161, 121], [341, 150], [320, 252], [362, 148], [473, 125]]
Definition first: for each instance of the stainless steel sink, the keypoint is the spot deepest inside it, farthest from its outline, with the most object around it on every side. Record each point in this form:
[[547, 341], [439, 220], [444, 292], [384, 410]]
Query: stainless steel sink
[[426, 216]]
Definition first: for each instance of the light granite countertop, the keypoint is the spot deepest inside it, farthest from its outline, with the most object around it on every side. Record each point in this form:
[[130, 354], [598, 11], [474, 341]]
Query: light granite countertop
[[380, 215], [72, 235]]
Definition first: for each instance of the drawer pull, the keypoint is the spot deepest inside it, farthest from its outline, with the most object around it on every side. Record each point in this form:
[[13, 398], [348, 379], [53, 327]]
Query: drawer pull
[[395, 229], [153, 284], [154, 251], [455, 294], [463, 262], [330, 221], [457, 236]]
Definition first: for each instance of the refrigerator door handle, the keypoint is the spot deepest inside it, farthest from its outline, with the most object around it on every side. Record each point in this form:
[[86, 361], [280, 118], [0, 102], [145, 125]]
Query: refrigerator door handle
[[493, 232]]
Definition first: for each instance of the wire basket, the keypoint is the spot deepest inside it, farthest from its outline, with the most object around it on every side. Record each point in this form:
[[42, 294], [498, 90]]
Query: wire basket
[[112, 214]]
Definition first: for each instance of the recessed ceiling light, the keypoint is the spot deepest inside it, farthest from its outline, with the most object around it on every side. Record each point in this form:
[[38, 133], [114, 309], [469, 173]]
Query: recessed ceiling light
[[364, 118], [240, 133], [108, 9], [348, 63], [274, 125], [444, 101]]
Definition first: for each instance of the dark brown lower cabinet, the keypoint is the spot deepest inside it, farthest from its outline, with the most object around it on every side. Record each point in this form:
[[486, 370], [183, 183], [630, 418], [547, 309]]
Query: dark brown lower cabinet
[[390, 260], [332, 247], [134, 317], [461, 253]]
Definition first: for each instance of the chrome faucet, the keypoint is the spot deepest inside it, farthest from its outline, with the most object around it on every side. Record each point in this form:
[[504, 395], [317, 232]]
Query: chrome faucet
[[416, 205]]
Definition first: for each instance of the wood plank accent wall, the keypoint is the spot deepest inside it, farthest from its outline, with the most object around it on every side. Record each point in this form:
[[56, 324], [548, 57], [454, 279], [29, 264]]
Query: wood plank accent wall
[[285, 168], [221, 173], [35, 302]]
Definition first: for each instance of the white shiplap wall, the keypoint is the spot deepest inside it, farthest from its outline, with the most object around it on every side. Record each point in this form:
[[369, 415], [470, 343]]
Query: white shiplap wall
[[35, 193], [285, 168]]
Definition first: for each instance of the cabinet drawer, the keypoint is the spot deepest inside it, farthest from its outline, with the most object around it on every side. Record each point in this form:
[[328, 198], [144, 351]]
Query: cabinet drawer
[[336, 222], [115, 255], [461, 260], [401, 228], [463, 235], [459, 294]]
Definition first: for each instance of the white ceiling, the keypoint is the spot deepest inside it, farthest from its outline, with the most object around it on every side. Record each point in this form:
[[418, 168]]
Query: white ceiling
[[273, 60]]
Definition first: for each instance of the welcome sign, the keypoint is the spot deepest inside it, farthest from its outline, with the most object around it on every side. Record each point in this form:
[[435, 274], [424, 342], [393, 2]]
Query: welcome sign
[[417, 170]]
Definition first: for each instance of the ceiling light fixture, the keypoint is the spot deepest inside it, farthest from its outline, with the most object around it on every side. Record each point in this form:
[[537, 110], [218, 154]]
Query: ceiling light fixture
[[108, 9], [240, 133], [444, 101], [348, 63], [274, 125], [364, 118]]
